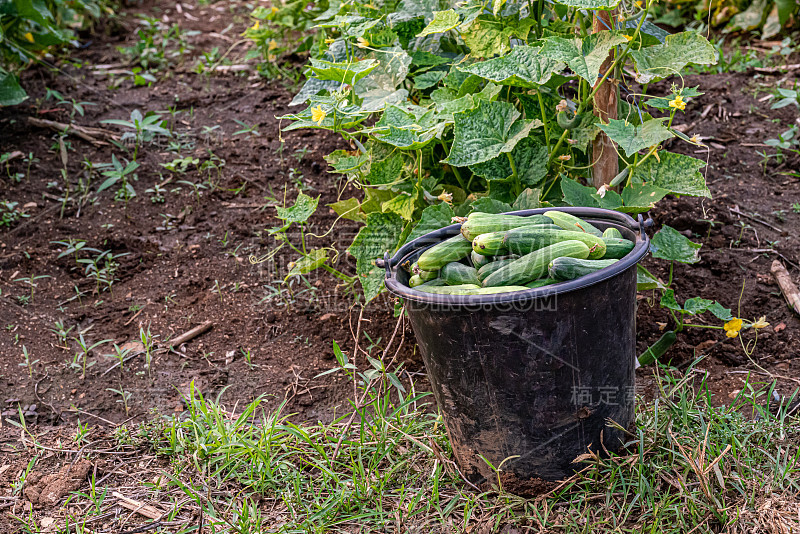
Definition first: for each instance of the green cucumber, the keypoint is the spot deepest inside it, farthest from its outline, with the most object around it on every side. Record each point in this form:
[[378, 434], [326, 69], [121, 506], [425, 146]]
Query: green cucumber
[[534, 265], [491, 244], [444, 290], [439, 255], [469, 289], [455, 274], [568, 221], [527, 239], [657, 349], [617, 247], [541, 282], [489, 268], [415, 281], [572, 268], [425, 275], [567, 123], [479, 260], [612, 232], [483, 223], [435, 282]]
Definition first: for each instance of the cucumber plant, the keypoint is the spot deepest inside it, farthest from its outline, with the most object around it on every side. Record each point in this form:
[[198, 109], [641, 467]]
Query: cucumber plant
[[490, 106]]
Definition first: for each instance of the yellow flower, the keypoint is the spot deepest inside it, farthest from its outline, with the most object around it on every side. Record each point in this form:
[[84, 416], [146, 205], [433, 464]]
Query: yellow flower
[[621, 17], [272, 45], [628, 38], [446, 197], [318, 115], [274, 10], [329, 41], [256, 26], [29, 36], [761, 323], [732, 327], [695, 139], [362, 43], [677, 103], [565, 157]]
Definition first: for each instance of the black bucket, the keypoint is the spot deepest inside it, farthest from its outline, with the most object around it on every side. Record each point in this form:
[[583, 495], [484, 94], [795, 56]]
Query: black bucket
[[530, 379]]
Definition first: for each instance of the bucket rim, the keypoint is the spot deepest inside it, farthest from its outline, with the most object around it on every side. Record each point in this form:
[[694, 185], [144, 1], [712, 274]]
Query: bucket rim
[[639, 251]]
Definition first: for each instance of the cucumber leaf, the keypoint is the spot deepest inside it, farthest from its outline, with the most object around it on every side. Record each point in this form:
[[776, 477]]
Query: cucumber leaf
[[678, 50], [632, 138], [443, 21], [530, 158], [490, 205], [373, 240], [488, 36], [638, 198], [583, 56], [487, 131], [433, 218], [676, 173], [522, 67], [348, 72], [304, 207], [349, 209], [669, 244], [11, 93]]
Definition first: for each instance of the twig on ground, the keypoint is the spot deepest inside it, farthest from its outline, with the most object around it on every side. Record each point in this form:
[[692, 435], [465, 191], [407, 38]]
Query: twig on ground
[[788, 288], [191, 334], [773, 70], [138, 507], [137, 313], [735, 210], [96, 136]]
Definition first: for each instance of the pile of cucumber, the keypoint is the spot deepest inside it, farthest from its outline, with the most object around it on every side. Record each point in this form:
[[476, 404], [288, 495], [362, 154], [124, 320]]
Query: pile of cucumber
[[498, 253]]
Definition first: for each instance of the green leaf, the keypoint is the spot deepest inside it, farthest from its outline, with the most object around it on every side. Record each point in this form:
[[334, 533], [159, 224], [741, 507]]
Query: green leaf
[[433, 218], [343, 162], [638, 198], [720, 312], [752, 17], [386, 171], [524, 66], [426, 80], [313, 260], [527, 200], [590, 4], [443, 21], [382, 87], [530, 158], [785, 10], [426, 59], [303, 208], [585, 132], [490, 205], [583, 56], [669, 244], [11, 93], [646, 280], [312, 87], [489, 36], [380, 235], [409, 127], [676, 173], [487, 131], [668, 301], [632, 138], [374, 199], [576, 194], [678, 50], [696, 305], [401, 204], [348, 72], [349, 209]]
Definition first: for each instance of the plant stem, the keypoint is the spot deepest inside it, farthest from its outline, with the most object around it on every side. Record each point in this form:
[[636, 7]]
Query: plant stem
[[544, 120], [514, 175]]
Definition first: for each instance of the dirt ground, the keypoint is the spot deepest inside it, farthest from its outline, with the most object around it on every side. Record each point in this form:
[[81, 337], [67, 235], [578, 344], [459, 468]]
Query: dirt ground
[[185, 261]]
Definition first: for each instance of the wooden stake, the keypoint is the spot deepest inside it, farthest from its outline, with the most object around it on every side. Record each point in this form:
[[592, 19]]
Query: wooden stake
[[789, 290], [605, 165]]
